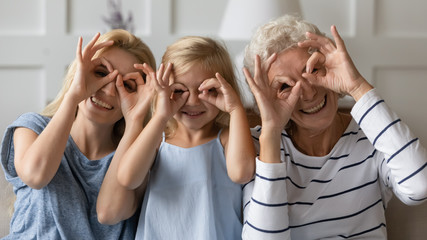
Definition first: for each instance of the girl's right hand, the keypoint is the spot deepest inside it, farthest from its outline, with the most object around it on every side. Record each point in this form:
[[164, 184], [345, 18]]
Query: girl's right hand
[[86, 81], [274, 104], [170, 98]]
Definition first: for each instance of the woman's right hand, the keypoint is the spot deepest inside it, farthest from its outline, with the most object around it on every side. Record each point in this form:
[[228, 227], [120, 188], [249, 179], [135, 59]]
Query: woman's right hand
[[86, 81], [275, 105]]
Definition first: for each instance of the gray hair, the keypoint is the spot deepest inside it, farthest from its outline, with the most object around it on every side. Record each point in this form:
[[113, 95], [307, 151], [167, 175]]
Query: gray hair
[[275, 36]]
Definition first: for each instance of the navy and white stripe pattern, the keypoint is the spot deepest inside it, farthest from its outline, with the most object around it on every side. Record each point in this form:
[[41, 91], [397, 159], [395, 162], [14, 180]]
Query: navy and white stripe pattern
[[344, 194]]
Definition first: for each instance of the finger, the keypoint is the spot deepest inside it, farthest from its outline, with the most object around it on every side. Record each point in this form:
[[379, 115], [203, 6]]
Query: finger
[[159, 76], [79, 49], [313, 60], [98, 46], [249, 79], [209, 84], [120, 86], [180, 99], [148, 71], [314, 79], [136, 76], [89, 46], [167, 74], [269, 62], [294, 96], [278, 82], [107, 64], [337, 38]]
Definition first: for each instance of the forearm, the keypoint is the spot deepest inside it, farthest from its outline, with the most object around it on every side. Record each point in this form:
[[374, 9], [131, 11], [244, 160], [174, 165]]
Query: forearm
[[266, 214], [240, 150], [269, 141], [115, 202], [138, 159], [404, 155], [38, 160]]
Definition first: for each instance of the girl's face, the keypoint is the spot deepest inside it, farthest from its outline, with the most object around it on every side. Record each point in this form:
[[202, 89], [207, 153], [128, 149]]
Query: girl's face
[[195, 114], [317, 106], [104, 105]]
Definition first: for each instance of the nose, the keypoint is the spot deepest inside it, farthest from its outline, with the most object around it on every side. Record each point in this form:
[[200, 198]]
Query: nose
[[308, 90], [110, 88], [193, 98]]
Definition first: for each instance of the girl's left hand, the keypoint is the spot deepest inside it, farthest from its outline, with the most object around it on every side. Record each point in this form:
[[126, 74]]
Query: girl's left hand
[[341, 74], [135, 95], [217, 91]]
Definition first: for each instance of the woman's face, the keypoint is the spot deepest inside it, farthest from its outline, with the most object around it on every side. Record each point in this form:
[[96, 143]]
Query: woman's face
[[104, 105], [317, 106]]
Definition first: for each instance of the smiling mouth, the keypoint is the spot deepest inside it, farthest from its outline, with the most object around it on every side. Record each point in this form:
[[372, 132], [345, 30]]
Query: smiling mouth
[[192, 114], [100, 103], [315, 109]]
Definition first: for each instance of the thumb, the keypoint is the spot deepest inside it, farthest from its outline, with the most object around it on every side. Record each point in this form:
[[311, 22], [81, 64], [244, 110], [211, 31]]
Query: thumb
[[120, 86]]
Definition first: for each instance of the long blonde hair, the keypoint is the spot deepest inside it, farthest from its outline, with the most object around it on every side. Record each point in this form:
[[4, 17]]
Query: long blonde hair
[[123, 40], [211, 55]]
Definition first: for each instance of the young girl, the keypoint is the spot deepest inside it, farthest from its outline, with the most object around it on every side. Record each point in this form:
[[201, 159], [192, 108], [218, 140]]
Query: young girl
[[193, 162], [56, 160]]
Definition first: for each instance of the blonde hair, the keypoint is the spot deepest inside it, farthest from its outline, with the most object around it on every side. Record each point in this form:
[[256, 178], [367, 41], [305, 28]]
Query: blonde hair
[[275, 36], [123, 40], [208, 53]]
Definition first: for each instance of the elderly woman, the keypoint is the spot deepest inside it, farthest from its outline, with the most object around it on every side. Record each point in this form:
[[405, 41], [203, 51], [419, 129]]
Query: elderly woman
[[322, 173]]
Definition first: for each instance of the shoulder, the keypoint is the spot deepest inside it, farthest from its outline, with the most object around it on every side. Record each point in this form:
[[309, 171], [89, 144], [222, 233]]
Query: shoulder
[[31, 120]]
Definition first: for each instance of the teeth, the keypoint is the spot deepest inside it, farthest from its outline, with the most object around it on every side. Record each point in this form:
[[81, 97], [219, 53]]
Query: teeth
[[316, 108], [193, 113], [101, 103]]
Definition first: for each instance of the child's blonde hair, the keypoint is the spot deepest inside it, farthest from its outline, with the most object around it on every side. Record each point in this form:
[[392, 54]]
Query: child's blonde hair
[[211, 55]]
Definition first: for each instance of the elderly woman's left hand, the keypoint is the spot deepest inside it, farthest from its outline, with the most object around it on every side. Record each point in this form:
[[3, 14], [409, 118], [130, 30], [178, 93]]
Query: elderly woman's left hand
[[341, 74]]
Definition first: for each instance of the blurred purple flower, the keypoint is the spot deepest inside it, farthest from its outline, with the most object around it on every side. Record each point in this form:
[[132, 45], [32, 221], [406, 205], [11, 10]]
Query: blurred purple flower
[[116, 19]]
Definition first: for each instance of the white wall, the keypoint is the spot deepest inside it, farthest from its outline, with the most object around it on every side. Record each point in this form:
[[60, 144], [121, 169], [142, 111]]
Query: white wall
[[386, 38]]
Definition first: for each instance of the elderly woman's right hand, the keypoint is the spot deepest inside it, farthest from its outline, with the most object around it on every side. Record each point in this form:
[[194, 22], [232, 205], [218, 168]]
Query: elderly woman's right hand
[[274, 104], [86, 79]]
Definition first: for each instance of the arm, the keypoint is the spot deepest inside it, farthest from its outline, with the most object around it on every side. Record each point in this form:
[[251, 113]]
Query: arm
[[115, 202], [406, 159], [266, 209], [138, 159], [37, 158], [238, 145], [404, 168]]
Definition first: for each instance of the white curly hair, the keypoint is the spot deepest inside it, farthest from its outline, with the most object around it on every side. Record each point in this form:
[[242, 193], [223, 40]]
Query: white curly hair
[[275, 36]]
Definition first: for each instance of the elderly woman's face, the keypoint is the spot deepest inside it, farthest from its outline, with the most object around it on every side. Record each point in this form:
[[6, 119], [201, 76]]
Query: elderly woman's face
[[317, 106]]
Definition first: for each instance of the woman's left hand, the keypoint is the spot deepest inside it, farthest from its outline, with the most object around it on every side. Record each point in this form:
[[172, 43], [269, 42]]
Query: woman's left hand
[[217, 91], [341, 74], [135, 94]]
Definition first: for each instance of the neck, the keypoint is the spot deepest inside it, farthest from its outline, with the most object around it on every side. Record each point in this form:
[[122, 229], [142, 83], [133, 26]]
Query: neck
[[186, 138], [319, 142], [93, 140]]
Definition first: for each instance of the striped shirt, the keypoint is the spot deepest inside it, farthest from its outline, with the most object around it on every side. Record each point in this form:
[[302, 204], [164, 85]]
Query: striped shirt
[[342, 195]]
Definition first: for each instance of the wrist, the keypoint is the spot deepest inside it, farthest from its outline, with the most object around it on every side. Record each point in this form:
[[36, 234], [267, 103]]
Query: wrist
[[361, 90]]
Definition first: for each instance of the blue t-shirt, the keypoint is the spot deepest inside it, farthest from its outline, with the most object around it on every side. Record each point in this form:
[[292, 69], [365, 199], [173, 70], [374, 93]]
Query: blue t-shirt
[[66, 207]]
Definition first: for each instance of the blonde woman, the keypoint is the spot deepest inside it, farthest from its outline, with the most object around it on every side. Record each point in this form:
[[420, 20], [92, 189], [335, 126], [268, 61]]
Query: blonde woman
[[57, 160]]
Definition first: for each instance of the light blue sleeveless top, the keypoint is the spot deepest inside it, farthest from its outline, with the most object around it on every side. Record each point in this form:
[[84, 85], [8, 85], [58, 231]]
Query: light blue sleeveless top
[[190, 196]]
